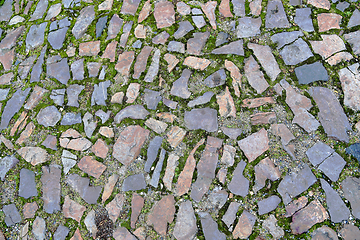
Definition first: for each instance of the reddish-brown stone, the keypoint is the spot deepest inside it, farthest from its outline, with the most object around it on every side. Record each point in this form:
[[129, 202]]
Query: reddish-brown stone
[[137, 204], [132, 92], [91, 166], [77, 235], [328, 46], [156, 125], [255, 7], [89, 48], [209, 10], [257, 102], [33, 155], [141, 61], [26, 133], [100, 149], [124, 63], [164, 14], [327, 21], [7, 58], [6, 78], [175, 136], [106, 132], [264, 170], [115, 206], [162, 213], [30, 209], [338, 57], [196, 63], [226, 104], [72, 209], [235, 75], [183, 8], [35, 97], [70, 133], [78, 144], [8, 144], [282, 131], [244, 227], [145, 11], [262, 118], [109, 187], [117, 98], [224, 8], [170, 170], [295, 206], [255, 144], [325, 4], [171, 60], [167, 117], [110, 51]]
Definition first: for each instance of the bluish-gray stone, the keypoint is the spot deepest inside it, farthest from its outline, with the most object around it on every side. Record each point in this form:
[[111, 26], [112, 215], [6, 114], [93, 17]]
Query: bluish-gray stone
[[235, 48], [152, 152], [87, 15], [296, 52], [239, 185], [205, 98], [303, 19], [56, 38], [6, 164], [275, 15], [133, 112], [12, 215], [6, 11], [238, 7], [49, 116], [152, 98], [3, 93], [99, 95], [156, 174], [210, 227], [27, 186], [59, 70], [77, 69], [221, 38], [71, 118], [309, 73], [355, 19], [61, 232], [175, 46], [184, 28], [37, 68], [216, 79], [354, 150], [40, 10], [284, 38], [35, 36], [134, 182], [248, 27], [73, 92], [201, 118], [268, 204], [100, 25]]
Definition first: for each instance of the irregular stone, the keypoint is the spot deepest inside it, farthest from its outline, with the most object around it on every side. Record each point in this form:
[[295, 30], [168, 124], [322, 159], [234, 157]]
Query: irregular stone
[[239, 185], [99, 95], [134, 182], [90, 224], [255, 76], [338, 57], [270, 225], [156, 125], [350, 82], [56, 38], [27, 186], [6, 164], [295, 206], [87, 15], [325, 4], [175, 46], [68, 160], [210, 227], [145, 11], [230, 215], [205, 98], [164, 14], [327, 21], [262, 118], [180, 86], [79, 144], [221, 37], [311, 72], [25, 66], [12, 215], [245, 225], [349, 232], [185, 227], [109, 186], [216, 79], [6, 78], [115, 206], [235, 75], [132, 92], [53, 11], [248, 27], [154, 67], [324, 232], [175, 136], [209, 10], [93, 69], [218, 197], [73, 92], [328, 46], [332, 166], [124, 63], [196, 63], [264, 170], [127, 147], [137, 204], [51, 188], [170, 103], [59, 70], [71, 118], [350, 187], [284, 38], [226, 104], [184, 28], [303, 19], [295, 183], [77, 69], [296, 52], [40, 10], [33, 155], [122, 233], [72, 209], [48, 116], [6, 10], [152, 152], [141, 61], [257, 102], [130, 7], [81, 185], [353, 39], [100, 25], [38, 228], [195, 44], [77, 235], [126, 32], [91, 48], [30, 210], [355, 18], [199, 21], [161, 38], [268, 204], [117, 98], [201, 118], [35, 97], [140, 31], [114, 27], [152, 98], [35, 36], [26, 133], [276, 16], [100, 149], [170, 59], [238, 7], [224, 8], [255, 7], [170, 170], [156, 174], [183, 8], [254, 145], [91, 166]]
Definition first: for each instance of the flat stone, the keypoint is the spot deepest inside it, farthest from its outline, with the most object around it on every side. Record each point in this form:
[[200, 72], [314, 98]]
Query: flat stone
[[224, 8], [218, 197], [355, 18], [201, 118], [182, 8], [226, 104], [126, 32], [342, 6], [117, 98], [132, 92], [175, 136], [56, 38], [25, 66], [303, 19], [171, 164], [87, 15], [184, 28], [39, 228], [349, 232], [137, 203], [110, 51], [115, 207], [27, 186], [180, 86], [353, 39], [6, 164], [26, 133], [248, 27], [264, 170], [354, 150], [327, 21], [296, 52], [322, 47], [268, 204], [244, 227], [114, 27], [161, 38], [332, 166], [12, 215], [205, 98], [72, 209], [77, 69], [230, 215], [295, 206], [210, 227], [167, 117], [100, 25], [156, 125], [309, 73], [134, 182], [239, 185], [48, 116], [266, 59], [156, 173], [284, 38], [276, 16], [61, 232], [325, 4], [152, 152], [324, 232], [6, 10], [89, 48], [154, 67], [254, 75], [71, 118], [106, 132], [51, 188], [81, 185], [140, 31], [40, 10], [145, 11], [222, 36], [6, 78], [33, 155], [122, 233], [13, 106], [255, 7], [59, 70], [35, 36], [304, 219], [100, 149], [350, 83], [77, 235], [99, 95], [175, 46], [78, 144], [338, 57], [53, 11], [30, 209], [130, 7], [196, 44], [35, 97], [164, 14], [209, 10], [152, 98], [235, 75], [73, 92], [216, 79], [257, 102], [270, 224], [68, 161], [199, 21], [89, 124], [90, 224], [170, 103], [254, 145], [185, 226], [331, 115], [238, 7], [91, 166], [295, 183], [109, 187], [93, 69], [124, 63], [196, 63], [350, 187], [127, 147], [8, 144], [172, 61], [141, 61]]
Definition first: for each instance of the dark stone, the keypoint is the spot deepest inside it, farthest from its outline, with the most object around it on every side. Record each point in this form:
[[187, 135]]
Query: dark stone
[[37, 68], [235, 48], [184, 28], [303, 19], [133, 112], [268, 204], [56, 38], [175, 46], [27, 186], [13, 106], [73, 92], [35, 36], [309, 73], [51, 188], [216, 79], [6, 164], [296, 183], [202, 118], [248, 27], [351, 189], [195, 44], [99, 95], [59, 70], [152, 98], [12, 215], [87, 15], [100, 25], [180, 86], [238, 7], [332, 166], [114, 27], [239, 185], [134, 182], [275, 15], [232, 133], [221, 38], [296, 52], [156, 174], [71, 118], [61, 232], [354, 150], [77, 69], [318, 153], [336, 207], [355, 19], [81, 185], [152, 152], [210, 227], [205, 98], [331, 115], [284, 38]]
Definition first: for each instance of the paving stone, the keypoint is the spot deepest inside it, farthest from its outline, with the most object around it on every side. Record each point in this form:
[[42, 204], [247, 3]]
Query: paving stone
[[327, 21], [248, 27], [264, 170], [285, 38], [228, 155], [255, 76], [152, 152], [331, 115], [137, 204], [126, 32], [110, 51], [26, 133], [210, 227], [325, 4], [90, 224], [6, 78], [185, 177], [109, 186], [262, 118], [257, 102], [6, 10], [114, 27], [156, 125], [355, 18], [39, 228], [172, 61], [117, 98], [349, 232], [71, 118], [152, 98], [255, 144], [51, 188], [161, 38], [175, 46], [81, 185], [342, 6], [221, 37], [133, 112], [224, 8], [40, 10], [245, 225], [141, 60], [205, 98], [29, 210], [91, 48], [180, 86], [184, 28], [72, 209], [170, 103], [12, 215], [56, 38], [35, 97], [175, 136], [156, 174], [77, 69], [90, 166], [73, 92], [239, 185], [130, 7], [196, 63], [338, 57], [296, 52], [134, 182], [59, 70], [209, 10], [68, 161], [100, 25], [304, 219], [197, 43], [322, 47], [127, 147], [33, 155], [349, 85], [276, 16], [77, 235], [216, 79], [93, 68], [99, 95], [332, 166], [199, 21], [25, 66], [53, 11], [303, 19], [268, 204], [124, 63], [201, 118], [132, 92], [115, 206], [353, 39], [226, 104], [295, 183], [218, 197], [78, 144], [171, 164], [324, 232], [7, 163], [13, 106], [350, 187], [35, 36], [309, 73], [100, 149], [295, 206], [27, 185], [230, 215], [255, 7], [270, 224], [87, 15], [164, 14], [182, 8], [154, 67], [89, 124], [235, 75], [11, 37], [140, 31]]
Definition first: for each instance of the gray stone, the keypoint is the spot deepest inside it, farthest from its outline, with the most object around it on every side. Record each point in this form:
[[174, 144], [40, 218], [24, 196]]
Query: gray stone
[[218, 198], [73, 92], [248, 27], [175, 46], [354, 150], [199, 21], [318, 153], [355, 19], [53, 26], [152, 98], [130, 7], [114, 27], [202, 118], [134, 182], [6, 164], [254, 75], [351, 86], [99, 95], [336, 207], [156, 174], [154, 67], [35, 36], [232, 133], [51, 188], [161, 38], [283, 38], [152, 152], [71, 118], [295, 183], [39, 228], [239, 185], [61, 232], [68, 161], [180, 86], [126, 32], [56, 38], [12, 215], [268, 204], [275, 15], [216, 79], [87, 15], [27, 186], [25, 66], [210, 227], [205, 98], [238, 7], [270, 224], [6, 11], [196, 11], [351, 189], [40, 10], [185, 226], [57, 95], [332, 166], [89, 124], [350, 232], [100, 25], [303, 19], [354, 39], [170, 103], [133, 112], [13, 106], [104, 116], [137, 44], [184, 28], [235, 48], [59, 70], [93, 68], [77, 69], [37, 68], [331, 115], [296, 52], [342, 6], [54, 10], [221, 38], [309, 73], [10, 38], [81, 185], [195, 44], [230, 215], [3, 93]]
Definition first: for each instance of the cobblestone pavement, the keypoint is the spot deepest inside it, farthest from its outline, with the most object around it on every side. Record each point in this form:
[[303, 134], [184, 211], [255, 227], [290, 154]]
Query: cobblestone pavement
[[228, 119]]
